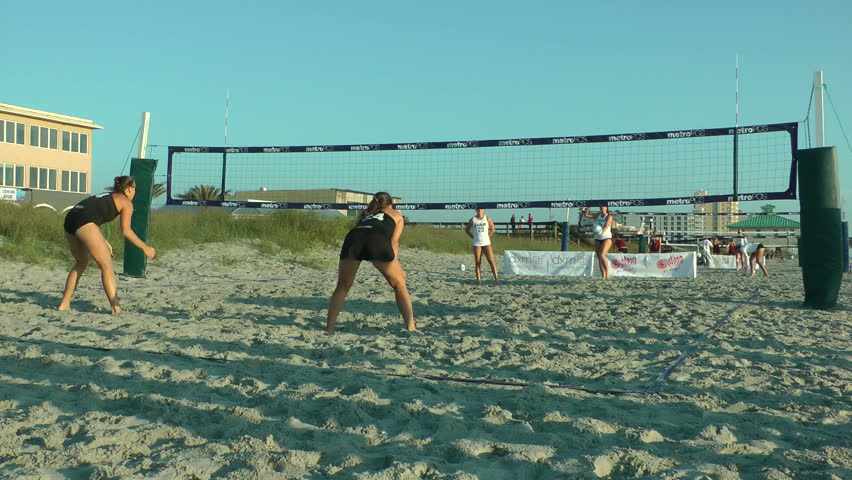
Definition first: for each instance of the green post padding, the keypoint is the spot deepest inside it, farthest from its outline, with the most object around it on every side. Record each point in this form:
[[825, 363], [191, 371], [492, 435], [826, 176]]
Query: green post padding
[[142, 170], [643, 243], [820, 254]]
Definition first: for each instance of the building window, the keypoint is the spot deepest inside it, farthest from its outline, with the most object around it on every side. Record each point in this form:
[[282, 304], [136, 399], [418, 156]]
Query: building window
[[12, 132], [75, 142], [73, 181], [42, 178], [43, 137]]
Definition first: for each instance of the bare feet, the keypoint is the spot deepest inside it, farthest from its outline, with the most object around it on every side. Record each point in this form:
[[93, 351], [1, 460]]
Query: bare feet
[[63, 308]]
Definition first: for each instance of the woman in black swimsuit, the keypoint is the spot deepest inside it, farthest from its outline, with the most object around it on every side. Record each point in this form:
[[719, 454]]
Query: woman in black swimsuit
[[82, 230], [375, 239]]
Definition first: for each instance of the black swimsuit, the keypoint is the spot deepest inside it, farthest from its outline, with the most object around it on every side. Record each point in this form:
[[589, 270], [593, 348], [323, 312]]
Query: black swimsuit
[[370, 239], [98, 209]]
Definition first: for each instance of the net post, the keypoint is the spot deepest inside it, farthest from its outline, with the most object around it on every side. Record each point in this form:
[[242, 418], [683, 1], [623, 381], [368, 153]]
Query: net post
[[224, 169], [142, 170], [820, 254]]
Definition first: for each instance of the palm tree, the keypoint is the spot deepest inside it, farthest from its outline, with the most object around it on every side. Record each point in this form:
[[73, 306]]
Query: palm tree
[[158, 189], [203, 192]]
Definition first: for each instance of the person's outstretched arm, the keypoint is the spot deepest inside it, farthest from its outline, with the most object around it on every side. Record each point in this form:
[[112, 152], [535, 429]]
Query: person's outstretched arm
[[125, 210]]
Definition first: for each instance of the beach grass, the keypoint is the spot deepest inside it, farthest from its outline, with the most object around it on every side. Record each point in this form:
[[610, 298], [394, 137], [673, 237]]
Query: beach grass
[[35, 235]]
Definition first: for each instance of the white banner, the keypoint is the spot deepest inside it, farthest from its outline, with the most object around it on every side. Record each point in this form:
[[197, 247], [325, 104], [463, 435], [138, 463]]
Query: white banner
[[657, 265], [727, 262], [584, 264], [571, 264]]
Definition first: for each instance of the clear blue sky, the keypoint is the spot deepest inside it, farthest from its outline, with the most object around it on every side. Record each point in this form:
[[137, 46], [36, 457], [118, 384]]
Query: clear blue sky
[[303, 73]]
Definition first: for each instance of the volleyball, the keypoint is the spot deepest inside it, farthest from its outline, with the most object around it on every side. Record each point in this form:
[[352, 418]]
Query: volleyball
[[461, 267], [598, 229]]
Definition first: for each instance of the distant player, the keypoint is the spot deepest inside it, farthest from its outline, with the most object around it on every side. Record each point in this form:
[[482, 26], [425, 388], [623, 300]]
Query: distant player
[[756, 255], [374, 239], [603, 236], [480, 228], [740, 242]]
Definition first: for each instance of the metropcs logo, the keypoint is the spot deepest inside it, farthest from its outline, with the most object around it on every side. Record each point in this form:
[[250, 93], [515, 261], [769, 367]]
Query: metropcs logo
[[514, 143], [410, 206], [363, 148], [569, 140], [411, 146], [459, 206], [233, 204], [625, 203], [195, 149], [686, 134], [461, 144], [275, 149], [680, 201], [567, 204], [317, 206], [273, 205], [319, 148], [514, 205]]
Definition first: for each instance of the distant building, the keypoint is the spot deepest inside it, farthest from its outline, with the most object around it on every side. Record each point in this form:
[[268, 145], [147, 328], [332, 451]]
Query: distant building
[[48, 155], [722, 214], [767, 224]]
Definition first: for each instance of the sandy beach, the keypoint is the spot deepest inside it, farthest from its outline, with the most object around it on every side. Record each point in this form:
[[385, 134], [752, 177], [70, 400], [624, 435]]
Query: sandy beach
[[220, 368]]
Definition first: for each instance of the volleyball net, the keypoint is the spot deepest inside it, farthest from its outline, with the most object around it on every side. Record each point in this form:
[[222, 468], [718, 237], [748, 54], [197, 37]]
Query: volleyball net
[[618, 170]]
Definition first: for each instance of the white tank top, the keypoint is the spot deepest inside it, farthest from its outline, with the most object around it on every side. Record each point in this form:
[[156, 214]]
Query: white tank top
[[480, 232], [606, 232]]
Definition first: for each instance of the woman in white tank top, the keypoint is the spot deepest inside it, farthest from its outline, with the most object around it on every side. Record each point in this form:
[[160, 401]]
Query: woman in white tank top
[[480, 228], [603, 236]]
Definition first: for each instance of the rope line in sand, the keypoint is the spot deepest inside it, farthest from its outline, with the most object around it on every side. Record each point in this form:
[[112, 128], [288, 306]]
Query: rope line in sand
[[664, 376]]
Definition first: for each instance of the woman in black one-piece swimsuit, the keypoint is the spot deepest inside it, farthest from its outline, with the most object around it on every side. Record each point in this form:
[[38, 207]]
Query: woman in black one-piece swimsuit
[[82, 230], [375, 239]]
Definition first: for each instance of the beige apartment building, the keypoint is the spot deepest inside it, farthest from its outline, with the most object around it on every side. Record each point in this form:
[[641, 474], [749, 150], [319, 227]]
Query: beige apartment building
[[46, 155]]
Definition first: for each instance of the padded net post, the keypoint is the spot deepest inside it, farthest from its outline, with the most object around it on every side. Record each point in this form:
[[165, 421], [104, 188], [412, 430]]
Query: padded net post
[[820, 254], [142, 170]]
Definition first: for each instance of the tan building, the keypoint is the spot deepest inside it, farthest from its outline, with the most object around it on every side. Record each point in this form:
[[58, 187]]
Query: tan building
[[722, 214], [47, 154]]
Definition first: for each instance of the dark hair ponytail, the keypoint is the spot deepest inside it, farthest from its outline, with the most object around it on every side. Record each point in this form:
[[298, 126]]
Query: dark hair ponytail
[[377, 204], [122, 183]]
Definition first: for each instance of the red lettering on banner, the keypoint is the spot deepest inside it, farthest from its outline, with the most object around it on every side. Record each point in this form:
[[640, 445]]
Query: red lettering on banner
[[625, 261], [669, 262]]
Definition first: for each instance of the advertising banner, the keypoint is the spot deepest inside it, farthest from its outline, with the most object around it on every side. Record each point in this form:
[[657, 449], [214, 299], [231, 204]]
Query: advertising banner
[[658, 265], [727, 262], [569, 264], [583, 264]]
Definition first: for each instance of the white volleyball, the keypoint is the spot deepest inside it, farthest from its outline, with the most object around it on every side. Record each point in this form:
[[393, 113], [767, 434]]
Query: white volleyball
[[461, 267], [598, 229]]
